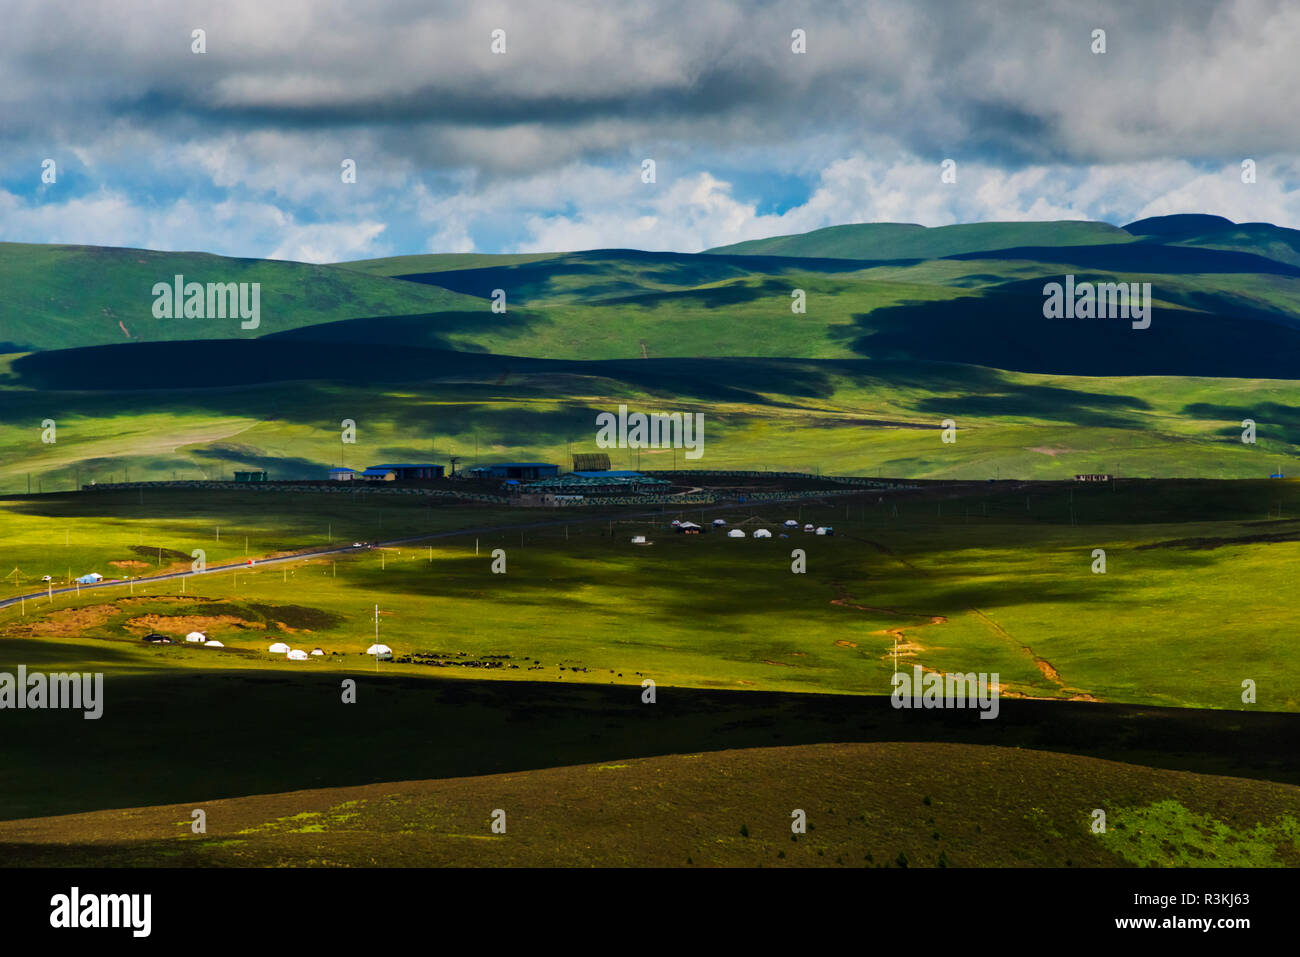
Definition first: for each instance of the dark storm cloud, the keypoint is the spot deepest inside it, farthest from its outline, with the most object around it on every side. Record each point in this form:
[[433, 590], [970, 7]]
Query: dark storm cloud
[[1003, 83]]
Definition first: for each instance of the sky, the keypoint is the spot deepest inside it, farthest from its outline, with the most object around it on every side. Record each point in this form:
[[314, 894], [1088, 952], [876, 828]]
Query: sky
[[239, 149]]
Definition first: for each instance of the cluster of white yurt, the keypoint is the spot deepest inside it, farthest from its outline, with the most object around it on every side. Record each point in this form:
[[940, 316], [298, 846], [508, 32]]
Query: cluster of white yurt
[[294, 654]]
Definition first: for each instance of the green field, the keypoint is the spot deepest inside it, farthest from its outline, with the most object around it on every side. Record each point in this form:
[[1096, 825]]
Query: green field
[[866, 805], [1122, 689]]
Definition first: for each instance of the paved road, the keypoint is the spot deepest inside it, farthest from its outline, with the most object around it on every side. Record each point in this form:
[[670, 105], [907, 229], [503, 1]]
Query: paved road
[[317, 553]]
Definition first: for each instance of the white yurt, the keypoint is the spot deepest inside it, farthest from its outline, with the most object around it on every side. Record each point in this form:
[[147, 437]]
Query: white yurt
[[719, 522], [638, 539], [762, 533], [317, 652], [676, 522], [297, 655], [807, 528], [791, 523], [380, 650], [736, 533], [196, 636], [279, 648], [821, 531], [213, 644]]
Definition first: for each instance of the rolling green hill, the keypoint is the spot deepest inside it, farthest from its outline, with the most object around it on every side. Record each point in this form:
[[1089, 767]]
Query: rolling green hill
[[909, 241], [53, 297], [868, 805]]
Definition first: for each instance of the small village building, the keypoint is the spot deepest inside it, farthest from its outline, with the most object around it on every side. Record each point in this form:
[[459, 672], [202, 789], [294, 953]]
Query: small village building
[[524, 471], [342, 474], [257, 475], [422, 472], [1094, 477], [378, 473]]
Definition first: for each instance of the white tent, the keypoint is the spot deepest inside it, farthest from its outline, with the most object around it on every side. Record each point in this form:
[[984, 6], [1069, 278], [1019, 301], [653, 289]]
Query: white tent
[[807, 528], [719, 522], [821, 531], [279, 648], [196, 636], [213, 643], [297, 655], [317, 652], [791, 523], [736, 533], [762, 533], [379, 650]]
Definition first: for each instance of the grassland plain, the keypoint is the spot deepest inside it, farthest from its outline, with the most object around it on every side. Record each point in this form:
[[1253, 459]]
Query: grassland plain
[[860, 418], [867, 805], [995, 579]]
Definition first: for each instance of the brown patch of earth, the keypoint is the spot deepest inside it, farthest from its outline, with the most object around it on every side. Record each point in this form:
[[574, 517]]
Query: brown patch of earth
[[184, 624], [70, 622], [1049, 451], [846, 644], [129, 563]]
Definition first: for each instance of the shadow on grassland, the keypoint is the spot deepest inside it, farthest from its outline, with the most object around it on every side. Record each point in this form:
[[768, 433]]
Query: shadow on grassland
[[172, 737]]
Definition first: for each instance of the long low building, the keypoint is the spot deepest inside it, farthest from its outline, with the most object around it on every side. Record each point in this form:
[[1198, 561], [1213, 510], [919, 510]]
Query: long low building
[[523, 471], [403, 473], [595, 483]]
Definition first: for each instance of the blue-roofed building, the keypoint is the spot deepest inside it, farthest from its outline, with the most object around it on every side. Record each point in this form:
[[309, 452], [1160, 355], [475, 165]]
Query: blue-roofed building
[[422, 472]]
